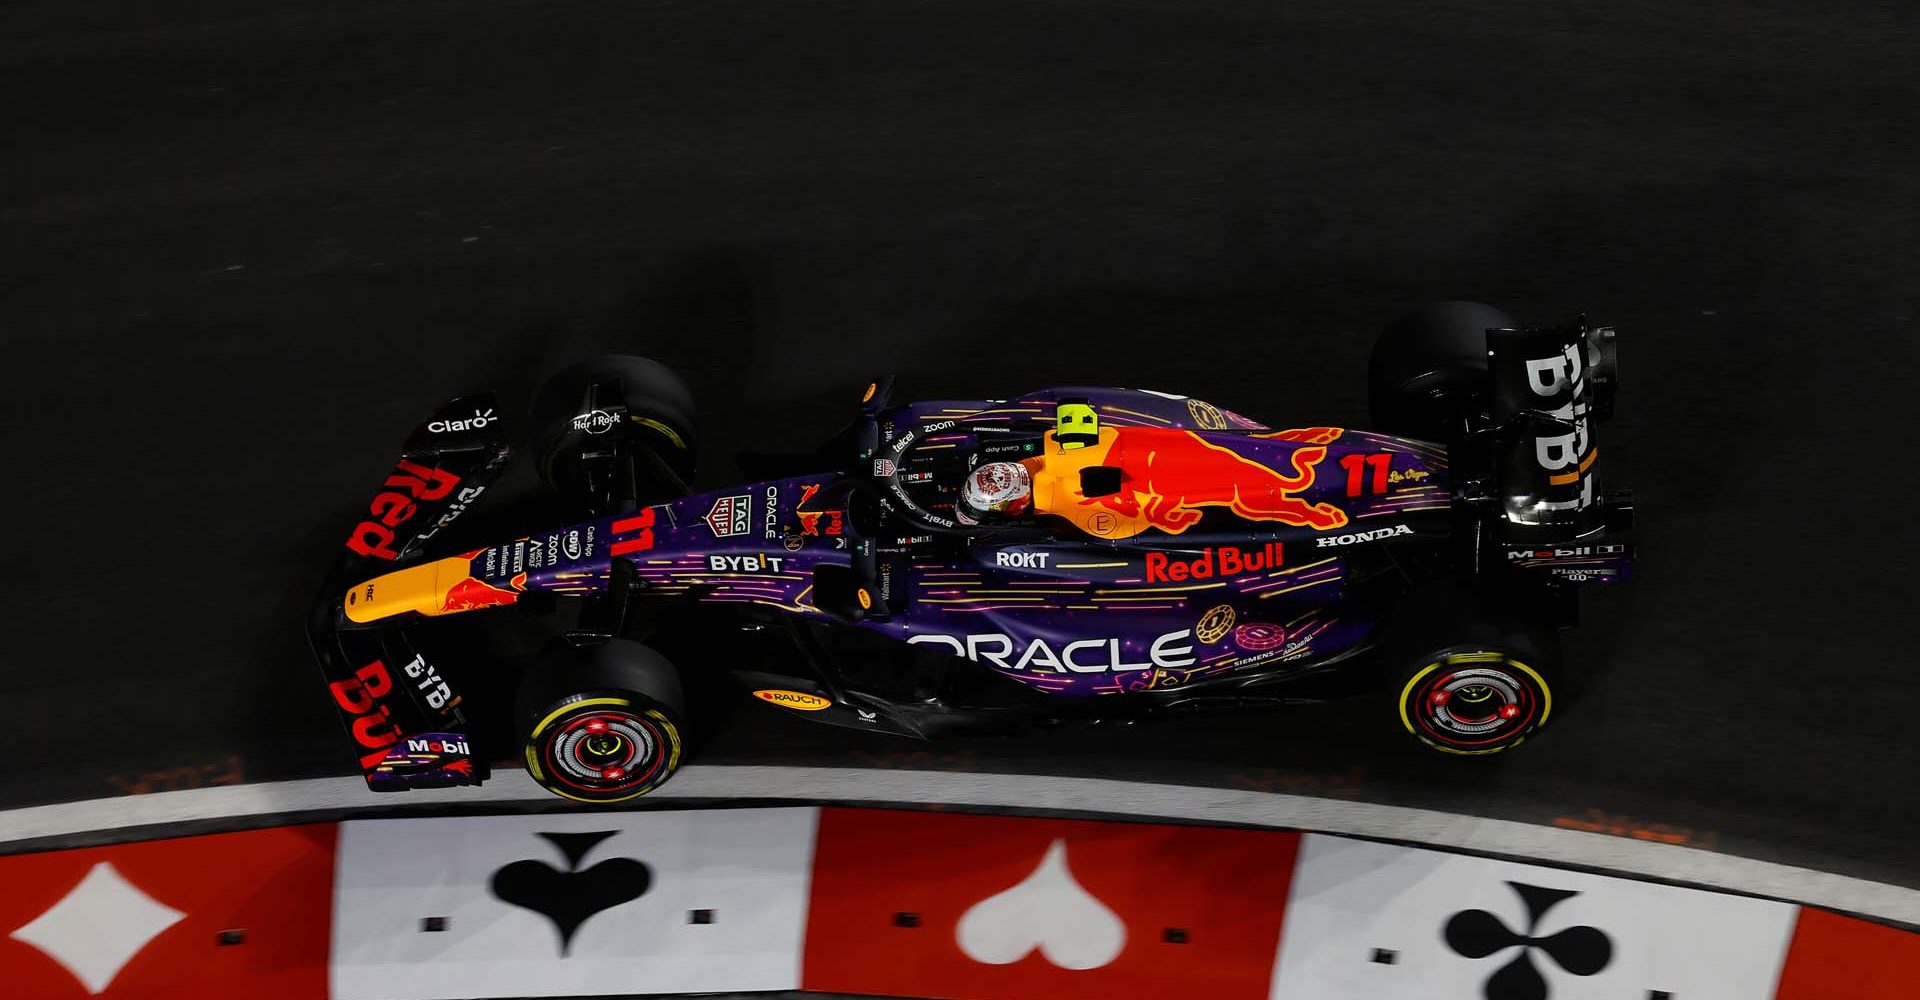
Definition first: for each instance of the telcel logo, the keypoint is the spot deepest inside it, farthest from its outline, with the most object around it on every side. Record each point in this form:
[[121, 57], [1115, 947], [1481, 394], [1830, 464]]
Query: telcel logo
[[480, 418], [1162, 568], [794, 699]]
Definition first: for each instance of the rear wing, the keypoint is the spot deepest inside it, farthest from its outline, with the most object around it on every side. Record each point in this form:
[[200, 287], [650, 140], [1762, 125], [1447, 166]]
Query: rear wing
[[1550, 388], [403, 714]]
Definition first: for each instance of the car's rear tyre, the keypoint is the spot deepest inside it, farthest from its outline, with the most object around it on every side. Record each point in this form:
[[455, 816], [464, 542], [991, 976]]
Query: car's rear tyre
[[602, 723], [660, 416], [1468, 676], [1429, 369]]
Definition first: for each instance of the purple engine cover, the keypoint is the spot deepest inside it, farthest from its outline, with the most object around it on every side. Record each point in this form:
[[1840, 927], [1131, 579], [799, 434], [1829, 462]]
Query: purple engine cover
[[1081, 614]]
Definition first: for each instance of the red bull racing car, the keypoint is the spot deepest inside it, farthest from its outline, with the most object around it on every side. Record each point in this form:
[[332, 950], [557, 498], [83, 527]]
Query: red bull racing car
[[962, 566]]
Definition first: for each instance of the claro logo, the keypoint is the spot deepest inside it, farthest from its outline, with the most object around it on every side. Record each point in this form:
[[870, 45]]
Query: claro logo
[[395, 506], [480, 418], [794, 699]]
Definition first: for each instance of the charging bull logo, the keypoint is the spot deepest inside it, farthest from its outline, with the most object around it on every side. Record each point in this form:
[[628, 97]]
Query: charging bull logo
[[1307, 435], [818, 522], [1168, 476], [471, 595]]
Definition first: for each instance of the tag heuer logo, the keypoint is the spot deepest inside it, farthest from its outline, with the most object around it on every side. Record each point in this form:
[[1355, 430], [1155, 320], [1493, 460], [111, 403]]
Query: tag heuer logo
[[730, 516]]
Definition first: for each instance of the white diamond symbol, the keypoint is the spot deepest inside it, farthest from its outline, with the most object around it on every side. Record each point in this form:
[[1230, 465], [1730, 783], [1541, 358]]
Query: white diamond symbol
[[98, 928]]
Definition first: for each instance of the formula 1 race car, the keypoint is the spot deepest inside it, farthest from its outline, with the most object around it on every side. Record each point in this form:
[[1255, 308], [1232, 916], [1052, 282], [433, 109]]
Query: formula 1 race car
[[991, 565]]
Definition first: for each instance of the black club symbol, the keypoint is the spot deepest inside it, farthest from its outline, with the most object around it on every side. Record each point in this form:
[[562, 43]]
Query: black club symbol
[[1580, 950]]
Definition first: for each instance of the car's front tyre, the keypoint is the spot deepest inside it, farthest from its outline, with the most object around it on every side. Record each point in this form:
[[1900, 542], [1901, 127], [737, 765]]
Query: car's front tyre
[[656, 412], [602, 723]]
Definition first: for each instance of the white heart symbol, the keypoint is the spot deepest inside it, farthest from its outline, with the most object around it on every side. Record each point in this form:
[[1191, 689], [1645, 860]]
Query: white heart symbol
[[1048, 910]]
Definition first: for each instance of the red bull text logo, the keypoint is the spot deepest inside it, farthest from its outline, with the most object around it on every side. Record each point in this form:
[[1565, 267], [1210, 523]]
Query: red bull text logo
[[396, 505], [363, 698], [1170, 475], [1164, 568]]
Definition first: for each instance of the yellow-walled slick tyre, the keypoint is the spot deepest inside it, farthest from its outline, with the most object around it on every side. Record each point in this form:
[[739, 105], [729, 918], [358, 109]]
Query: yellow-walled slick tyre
[[1471, 673], [602, 723], [641, 402], [1472, 700]]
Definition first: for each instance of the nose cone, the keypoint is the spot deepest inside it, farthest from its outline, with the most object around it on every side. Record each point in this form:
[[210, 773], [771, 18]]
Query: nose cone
[[417, 588]]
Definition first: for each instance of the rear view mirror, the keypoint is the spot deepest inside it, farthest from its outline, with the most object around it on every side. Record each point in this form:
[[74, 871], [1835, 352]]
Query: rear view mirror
[[1099, 481]]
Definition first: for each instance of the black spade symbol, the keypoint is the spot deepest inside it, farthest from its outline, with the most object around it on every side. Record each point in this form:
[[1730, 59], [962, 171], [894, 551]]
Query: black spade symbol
[[569, 898], [1581, 950]]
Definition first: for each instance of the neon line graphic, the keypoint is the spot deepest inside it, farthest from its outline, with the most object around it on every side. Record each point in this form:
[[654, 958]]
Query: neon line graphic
[[974, 600], [1305, 566], [1170, 590], [1136, 413], [1302, 586]]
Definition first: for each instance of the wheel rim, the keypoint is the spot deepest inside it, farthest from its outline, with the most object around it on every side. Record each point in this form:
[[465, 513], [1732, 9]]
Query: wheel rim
[[1475, 703], [605, 751]]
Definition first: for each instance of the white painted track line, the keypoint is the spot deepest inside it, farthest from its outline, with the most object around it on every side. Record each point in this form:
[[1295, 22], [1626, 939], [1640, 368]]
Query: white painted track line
[[1117, 798]]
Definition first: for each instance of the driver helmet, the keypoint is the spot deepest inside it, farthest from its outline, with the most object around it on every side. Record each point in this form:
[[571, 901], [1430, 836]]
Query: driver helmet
[[1001, 489]]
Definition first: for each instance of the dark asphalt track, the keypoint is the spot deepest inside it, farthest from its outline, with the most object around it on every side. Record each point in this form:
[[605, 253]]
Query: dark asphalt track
[[244, 247]]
